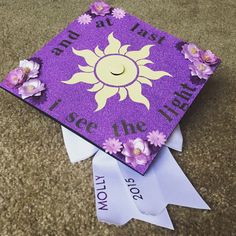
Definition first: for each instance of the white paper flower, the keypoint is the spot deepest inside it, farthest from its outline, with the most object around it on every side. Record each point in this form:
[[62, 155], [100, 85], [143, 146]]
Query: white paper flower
[[32, 87], [118, 13], [84, 19], [156, 138], [30, 68]]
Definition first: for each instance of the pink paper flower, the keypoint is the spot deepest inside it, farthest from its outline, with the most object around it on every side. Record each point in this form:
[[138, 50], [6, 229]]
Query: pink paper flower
[[112, 145], [84, 19], [191, 52], [136, 152], [208, 57], [201, 70], [31, 68], [32, 87], [15, 77], [100, 8], [156, 138], [118, 13]]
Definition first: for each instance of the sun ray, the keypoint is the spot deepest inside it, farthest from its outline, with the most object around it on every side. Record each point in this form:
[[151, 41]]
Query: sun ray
[[89, 56], [135, 94], [84, 77], [86, 68], [96, 87], [123, 50], [143, 62], [123, 94], [99, 52], [150, 74], [144, 80], [114, 45], [140, 54], [102, 96], [116, 71]]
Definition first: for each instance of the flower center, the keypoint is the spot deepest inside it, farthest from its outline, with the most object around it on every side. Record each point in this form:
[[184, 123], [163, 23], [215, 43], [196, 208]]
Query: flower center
[[202, 67], [30, 88], [99, 8], [137, 151], [15, 79], [206, 58], [193, 50], [27, 70]]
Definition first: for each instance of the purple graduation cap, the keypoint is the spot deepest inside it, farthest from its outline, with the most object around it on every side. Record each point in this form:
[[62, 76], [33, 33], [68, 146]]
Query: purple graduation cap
[[116, 81]]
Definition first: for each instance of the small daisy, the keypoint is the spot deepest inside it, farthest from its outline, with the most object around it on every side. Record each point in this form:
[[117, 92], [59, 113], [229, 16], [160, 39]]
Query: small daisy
[[84, 19], [118, 13], [112, 145], [156, 138]]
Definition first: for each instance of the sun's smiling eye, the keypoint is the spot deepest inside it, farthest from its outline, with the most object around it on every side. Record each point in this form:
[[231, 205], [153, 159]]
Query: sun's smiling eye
[[116, 71]]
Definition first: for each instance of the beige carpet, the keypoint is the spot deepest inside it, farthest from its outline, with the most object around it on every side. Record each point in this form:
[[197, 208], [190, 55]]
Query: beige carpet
[[41, 193]]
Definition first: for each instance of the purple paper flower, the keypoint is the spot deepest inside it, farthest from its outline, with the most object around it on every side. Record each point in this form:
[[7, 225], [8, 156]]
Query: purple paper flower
[[100, 8], [32, 87], [31, 68], [191, 52], [15, 77], [209, 57], [136, 152], [200, 69], [112, 145], [118, 13], [84, 19], [156, 138]]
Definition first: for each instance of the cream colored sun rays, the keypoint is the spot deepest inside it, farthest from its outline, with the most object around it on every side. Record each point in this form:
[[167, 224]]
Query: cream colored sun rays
[[116, 70]]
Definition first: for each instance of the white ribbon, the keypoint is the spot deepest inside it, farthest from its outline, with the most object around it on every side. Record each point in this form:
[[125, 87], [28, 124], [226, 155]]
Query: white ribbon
[[165, 183], [77, 148], [175, 141], [129, 195], [144, 190], [175, 186], [114, 204]]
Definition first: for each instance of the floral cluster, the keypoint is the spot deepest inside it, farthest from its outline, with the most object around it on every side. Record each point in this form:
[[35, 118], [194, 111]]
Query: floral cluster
[[24, 78], [202, 61], [100, 8], [136, 151]]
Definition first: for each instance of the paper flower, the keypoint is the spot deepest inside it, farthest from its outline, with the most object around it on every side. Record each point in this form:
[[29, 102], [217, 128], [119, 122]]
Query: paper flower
[[136, 152], [118, 13], [100, 8], [201, 70], [32, 87], [156, 138], [15, 77], [208, 57], [31, 68], [112, 145], [191, 52], [84, 19]]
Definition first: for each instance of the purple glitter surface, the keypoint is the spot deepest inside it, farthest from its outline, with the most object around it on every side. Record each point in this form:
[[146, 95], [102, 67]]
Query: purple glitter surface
[[75, 98]]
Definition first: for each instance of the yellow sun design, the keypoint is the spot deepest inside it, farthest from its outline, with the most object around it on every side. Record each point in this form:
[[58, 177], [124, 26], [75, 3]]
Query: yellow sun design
[[116, 70]]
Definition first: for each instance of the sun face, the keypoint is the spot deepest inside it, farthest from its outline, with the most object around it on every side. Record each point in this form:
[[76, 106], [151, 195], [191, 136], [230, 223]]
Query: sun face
[[116, 70]]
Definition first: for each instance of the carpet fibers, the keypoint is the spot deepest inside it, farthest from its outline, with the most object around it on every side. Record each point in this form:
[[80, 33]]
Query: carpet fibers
[[41, 193]]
